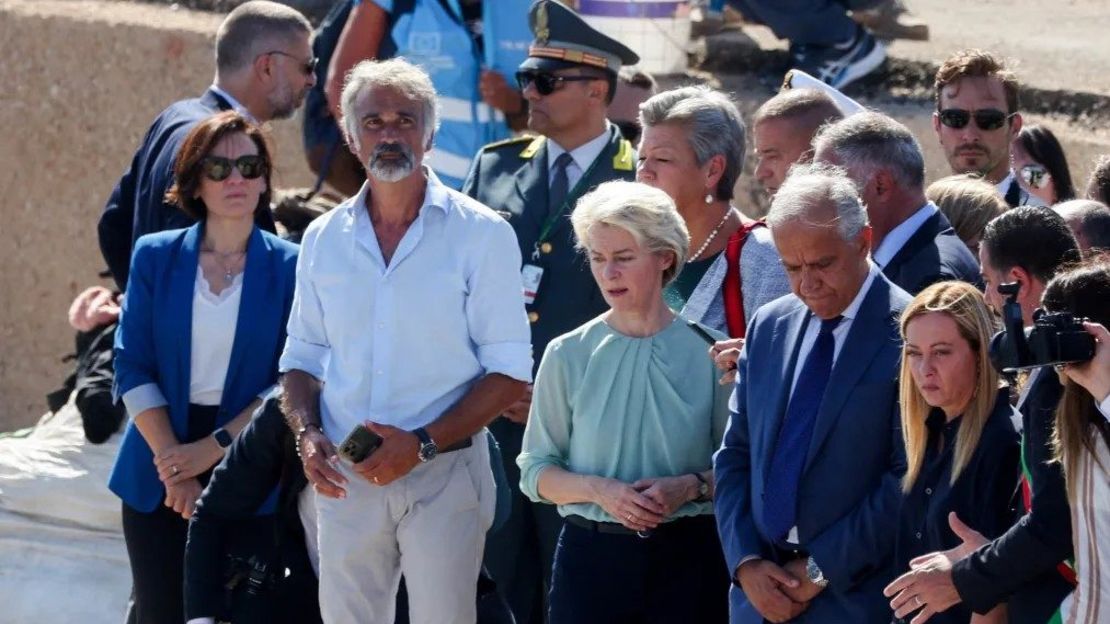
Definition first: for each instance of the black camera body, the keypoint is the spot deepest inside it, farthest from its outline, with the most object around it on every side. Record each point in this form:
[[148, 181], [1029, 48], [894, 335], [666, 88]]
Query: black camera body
[[1056, 338]]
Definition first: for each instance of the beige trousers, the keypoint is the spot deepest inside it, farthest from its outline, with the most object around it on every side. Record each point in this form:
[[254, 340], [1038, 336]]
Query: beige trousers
[[429, 525]]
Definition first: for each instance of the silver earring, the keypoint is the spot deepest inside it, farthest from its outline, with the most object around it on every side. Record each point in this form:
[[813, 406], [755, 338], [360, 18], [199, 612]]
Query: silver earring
[[709, 198]]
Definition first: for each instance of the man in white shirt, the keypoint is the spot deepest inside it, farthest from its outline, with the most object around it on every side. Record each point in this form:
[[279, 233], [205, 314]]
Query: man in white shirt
[[977, 119], [912, 242], [408, 320]]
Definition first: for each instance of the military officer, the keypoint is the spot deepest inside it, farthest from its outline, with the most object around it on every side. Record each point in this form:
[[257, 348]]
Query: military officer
[[569, 79]]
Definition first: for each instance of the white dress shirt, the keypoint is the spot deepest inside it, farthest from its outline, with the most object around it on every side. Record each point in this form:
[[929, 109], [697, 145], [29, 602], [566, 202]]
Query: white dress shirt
[[897, 238], [1104, 407], [214, 320], [813, 327], [582, 157], [401, 343]]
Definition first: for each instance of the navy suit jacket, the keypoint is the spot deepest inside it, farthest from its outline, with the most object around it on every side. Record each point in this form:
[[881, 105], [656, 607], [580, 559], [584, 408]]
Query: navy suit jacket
[[933, 254], [849, 491], [137, 205], [154, 339]]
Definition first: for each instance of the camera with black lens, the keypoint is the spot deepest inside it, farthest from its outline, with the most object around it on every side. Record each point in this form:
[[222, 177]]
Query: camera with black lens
[[1055, 338]]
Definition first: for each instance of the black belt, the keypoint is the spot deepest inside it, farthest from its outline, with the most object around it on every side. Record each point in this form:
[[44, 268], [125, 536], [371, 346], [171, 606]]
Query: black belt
[[611, 528], [458, 446]]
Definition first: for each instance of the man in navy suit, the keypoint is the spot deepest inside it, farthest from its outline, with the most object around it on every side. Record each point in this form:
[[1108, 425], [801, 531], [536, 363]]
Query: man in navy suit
[[264, 68], [807, 479], [911, 241]]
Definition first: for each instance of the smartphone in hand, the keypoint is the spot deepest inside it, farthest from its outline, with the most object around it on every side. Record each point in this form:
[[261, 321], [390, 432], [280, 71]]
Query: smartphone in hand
[[359, 444]]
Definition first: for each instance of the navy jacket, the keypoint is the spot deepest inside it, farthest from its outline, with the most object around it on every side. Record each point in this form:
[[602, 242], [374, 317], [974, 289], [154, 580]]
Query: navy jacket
[[155, 333], [933, 254], [849, 492], [137, 205]]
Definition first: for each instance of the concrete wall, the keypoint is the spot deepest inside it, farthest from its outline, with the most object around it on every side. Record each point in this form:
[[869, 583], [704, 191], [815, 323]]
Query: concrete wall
[[83, 80]]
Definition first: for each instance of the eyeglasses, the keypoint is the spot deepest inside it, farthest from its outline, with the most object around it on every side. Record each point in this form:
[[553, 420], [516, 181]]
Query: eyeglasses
[[307, 67], [218, 168], [985, 118], [545, 82], [1036, 175]]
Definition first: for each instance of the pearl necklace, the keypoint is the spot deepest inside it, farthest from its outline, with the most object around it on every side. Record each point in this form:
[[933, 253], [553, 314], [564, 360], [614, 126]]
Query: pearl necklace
[[712, 235]]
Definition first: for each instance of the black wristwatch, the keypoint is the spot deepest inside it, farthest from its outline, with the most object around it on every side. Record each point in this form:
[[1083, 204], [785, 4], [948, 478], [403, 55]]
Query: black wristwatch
[[223, 438], [428, 449], [703, 488]]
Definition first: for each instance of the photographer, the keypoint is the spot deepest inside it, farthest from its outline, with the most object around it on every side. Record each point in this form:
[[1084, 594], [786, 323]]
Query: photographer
[[1082, 440], [1026, 566]]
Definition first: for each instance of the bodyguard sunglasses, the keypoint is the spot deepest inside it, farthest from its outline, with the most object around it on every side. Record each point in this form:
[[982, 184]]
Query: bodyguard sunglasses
[[307, 67], [545, 82], [985, 118], [218, 168]]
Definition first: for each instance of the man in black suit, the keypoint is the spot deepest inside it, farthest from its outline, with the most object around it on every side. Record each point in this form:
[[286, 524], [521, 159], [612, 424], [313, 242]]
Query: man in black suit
[[912, 242], [264, 68], [1026, 566]]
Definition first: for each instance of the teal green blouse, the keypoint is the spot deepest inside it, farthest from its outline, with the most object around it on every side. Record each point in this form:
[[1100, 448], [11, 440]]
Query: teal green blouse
[[610, 405]]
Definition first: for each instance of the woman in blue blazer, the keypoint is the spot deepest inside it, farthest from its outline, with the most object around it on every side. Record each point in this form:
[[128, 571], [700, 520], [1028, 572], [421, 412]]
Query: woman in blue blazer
[[201, 330]]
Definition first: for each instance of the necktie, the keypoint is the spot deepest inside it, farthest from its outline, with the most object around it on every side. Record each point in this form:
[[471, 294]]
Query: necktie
[[560, 183], [780, 492]]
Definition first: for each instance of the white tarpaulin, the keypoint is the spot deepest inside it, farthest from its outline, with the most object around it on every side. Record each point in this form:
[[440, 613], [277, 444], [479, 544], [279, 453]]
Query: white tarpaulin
[[62, 556]]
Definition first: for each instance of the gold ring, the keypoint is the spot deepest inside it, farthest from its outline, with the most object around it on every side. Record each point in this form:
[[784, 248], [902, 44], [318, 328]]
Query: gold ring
[[175, 470], [917, 600], [375, 480], [629, 516]]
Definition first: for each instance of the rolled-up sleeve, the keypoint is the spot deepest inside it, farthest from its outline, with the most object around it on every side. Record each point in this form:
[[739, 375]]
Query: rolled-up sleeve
[[306, 344], [141, 398], [547, 435], [495, 306]]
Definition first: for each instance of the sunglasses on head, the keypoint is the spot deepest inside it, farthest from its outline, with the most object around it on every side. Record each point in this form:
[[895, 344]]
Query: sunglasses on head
[[545, 82], [1035, 175], [985, 118], [307, 67], [218, 168]]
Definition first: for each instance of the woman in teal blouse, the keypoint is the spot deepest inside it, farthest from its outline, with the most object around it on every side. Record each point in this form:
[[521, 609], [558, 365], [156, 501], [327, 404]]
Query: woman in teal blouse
[[626, 414]]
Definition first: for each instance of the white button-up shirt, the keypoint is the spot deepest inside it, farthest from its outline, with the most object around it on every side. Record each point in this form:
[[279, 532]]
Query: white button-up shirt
[[581, 157], [401, 343], [894, 241]]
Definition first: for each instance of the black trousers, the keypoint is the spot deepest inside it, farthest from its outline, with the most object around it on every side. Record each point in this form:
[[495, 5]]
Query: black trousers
[[156, 545], [676, 575]]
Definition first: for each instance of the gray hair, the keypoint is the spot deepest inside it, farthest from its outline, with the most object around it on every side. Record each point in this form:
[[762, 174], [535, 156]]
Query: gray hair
[[812, 187], [397, 74], [866, 142], [647, 213], [714, 126], [806, 107], [1093, 219], [254, 28]]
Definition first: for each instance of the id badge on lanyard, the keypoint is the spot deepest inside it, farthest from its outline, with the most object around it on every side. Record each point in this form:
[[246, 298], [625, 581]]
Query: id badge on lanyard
[[531, 276]]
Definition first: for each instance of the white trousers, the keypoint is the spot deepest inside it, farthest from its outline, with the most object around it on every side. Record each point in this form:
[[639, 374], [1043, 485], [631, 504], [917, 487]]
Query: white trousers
[[429, 525]]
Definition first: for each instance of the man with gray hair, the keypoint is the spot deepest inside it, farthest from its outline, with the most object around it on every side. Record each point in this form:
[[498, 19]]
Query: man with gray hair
[[807, 479], [1089, 220], [407, 332], [783, 129], [911, 240], [264, 68]]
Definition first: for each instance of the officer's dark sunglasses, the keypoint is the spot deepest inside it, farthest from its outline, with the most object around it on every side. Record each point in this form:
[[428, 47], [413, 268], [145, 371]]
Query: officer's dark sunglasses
[[218, 168], [307, 67], [546, 82], [985, 118]]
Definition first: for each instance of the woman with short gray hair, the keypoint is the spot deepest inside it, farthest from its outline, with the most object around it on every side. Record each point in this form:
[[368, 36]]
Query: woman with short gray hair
[[692, 148], [626, 414]]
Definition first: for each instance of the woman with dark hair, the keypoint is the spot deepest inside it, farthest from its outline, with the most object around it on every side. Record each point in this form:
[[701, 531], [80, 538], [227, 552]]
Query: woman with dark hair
[[201, 330], [961, 447], [1082, 441], [1042, 168]]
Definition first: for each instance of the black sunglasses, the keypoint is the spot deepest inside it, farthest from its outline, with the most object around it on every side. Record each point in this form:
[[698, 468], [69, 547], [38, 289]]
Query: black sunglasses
[[218, 168], [985, 118], [307, 67], [1035, 175], [545, 82]]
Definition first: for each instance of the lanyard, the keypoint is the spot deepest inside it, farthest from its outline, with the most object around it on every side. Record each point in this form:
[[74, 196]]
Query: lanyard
[[571, 197]]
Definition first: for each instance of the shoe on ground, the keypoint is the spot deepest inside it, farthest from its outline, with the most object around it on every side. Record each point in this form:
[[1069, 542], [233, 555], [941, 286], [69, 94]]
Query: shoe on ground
[[840, 65]]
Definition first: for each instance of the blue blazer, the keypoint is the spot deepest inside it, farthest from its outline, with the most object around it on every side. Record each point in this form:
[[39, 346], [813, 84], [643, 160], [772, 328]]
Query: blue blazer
[[933, 254], [154, 339], [849, 492]]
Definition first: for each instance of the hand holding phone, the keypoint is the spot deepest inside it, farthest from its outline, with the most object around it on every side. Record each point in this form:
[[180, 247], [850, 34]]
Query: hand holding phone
[[359, 444]]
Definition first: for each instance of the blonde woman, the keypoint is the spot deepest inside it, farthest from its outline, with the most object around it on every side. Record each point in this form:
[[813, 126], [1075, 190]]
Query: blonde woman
[[1082, 440], [961, 448], [969, 203]]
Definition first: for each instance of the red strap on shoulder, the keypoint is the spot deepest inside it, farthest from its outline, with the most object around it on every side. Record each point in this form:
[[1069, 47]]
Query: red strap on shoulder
[[733, 288]]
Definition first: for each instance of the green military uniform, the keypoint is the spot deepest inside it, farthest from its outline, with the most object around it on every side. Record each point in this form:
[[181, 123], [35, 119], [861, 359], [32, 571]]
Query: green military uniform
[[512, 178]]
